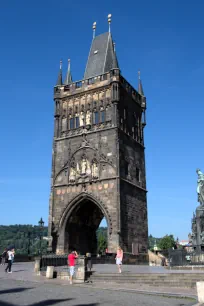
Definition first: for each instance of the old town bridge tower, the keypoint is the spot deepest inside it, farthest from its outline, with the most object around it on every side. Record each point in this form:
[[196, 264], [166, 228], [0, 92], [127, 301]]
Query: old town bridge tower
[[98, 159]]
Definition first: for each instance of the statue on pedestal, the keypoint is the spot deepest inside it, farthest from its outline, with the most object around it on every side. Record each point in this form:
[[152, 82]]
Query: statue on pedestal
[[81, 119], [88, 117], [95, 170], [72, 175], [200, 187], [83, 165]]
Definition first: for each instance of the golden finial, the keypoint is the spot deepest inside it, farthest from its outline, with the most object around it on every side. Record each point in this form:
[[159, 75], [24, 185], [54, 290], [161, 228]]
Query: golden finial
[[94, 29], [109, 20]]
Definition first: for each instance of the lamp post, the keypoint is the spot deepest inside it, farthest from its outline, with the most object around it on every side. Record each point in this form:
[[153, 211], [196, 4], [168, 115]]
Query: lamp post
[[29, 234], [41, 225]]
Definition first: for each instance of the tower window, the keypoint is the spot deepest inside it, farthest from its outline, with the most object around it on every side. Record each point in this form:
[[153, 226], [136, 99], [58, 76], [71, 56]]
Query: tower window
[[138, 174], [96, 118], [76, 122], [102, 116], [71, 122], [64, 124], [126, 168]]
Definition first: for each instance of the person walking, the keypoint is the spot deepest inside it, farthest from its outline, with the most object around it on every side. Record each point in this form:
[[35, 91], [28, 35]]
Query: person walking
[[71, 262], [3, 257], [10, 260], [119, 258], [89, 262]]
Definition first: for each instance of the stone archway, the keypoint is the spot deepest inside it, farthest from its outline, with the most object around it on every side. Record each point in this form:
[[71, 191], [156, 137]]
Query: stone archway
[[79, 224]]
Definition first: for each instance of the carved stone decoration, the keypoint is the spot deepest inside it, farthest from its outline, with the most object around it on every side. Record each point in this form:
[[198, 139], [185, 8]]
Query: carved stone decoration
[[95, 169], [81, 119], [88, 117], [202, 237], [200, 187], [83, 165]]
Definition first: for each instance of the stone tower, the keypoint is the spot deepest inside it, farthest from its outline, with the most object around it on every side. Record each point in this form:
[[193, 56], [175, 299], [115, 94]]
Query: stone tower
[[98, 159]]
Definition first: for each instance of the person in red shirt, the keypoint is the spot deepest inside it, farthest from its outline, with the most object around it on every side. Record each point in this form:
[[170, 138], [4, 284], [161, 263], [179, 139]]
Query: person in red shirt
[[71, 262]]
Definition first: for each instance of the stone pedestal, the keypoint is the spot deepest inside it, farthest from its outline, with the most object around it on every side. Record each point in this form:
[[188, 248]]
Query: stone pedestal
[[50, 272], [80, 273], [200, 291], [37, 265]]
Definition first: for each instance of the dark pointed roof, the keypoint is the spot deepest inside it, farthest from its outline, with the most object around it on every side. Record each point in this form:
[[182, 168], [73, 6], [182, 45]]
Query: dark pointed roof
[[59, 79], [68, 79], [102, 57], [140, 88]]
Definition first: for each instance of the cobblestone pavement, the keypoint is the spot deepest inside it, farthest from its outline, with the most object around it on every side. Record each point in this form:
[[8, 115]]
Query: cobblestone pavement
[[21, 293], [22, 287]]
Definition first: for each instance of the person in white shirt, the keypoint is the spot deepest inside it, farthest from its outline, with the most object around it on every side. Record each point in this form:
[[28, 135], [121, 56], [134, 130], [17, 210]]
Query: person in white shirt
[[10, 260]]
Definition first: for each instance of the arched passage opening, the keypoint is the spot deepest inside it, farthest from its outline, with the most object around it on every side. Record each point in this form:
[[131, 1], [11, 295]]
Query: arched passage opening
[[81, 226]]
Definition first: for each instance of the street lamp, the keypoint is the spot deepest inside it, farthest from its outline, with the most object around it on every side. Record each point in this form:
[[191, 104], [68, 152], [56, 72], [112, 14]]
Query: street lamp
[[41, 225]]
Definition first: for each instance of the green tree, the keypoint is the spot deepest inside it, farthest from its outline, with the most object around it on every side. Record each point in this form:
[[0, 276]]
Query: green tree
[[102, 243], [166, 242]]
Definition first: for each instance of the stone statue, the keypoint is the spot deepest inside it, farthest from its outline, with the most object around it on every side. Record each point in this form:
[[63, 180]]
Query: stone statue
[[95, 170], [200, 187], [72, 175], [81, 119], [88, 169], [83, 166], [88, 117]]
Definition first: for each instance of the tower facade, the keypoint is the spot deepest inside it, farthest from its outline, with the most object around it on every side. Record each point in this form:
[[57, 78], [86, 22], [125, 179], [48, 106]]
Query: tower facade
[[98, 159]]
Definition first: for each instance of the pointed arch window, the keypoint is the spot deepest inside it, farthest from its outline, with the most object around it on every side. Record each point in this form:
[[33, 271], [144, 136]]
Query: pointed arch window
[[71, 123], [96, 118], [64, 124], [77, 122], [102, 115]]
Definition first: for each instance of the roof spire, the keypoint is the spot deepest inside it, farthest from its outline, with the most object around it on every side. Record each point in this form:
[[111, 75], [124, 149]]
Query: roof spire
[[140, 88], [109, 22], [114, 44], [68, 79], [59, 79], [94, 29]]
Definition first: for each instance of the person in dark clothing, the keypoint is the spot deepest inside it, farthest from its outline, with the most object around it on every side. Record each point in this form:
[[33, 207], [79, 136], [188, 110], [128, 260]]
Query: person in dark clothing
[[3, 257], [89, 262]]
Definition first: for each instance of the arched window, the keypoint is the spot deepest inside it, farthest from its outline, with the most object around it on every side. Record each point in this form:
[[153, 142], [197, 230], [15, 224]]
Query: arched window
[[96, 118], [76, 122], [102, 116], [71, 123], [64, 124]]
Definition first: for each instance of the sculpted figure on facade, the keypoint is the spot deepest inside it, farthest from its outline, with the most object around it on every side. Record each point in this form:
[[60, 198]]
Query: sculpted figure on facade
[[200, 187], [72, 175], [88, 117], [81, 119], [83, 165], [95, 170]]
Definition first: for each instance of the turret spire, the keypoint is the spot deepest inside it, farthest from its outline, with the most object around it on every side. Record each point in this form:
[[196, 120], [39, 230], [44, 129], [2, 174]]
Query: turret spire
[[109, 22], [94, 29], [140, 88], [59, 79], [68, 79]]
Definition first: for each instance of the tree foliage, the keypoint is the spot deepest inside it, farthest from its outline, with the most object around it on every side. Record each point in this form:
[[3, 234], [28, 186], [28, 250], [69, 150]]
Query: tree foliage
[[166, 242], [101, 239], [25, 238]]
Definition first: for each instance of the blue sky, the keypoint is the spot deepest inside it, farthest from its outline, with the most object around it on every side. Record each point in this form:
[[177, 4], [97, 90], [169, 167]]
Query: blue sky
[[162, 39]]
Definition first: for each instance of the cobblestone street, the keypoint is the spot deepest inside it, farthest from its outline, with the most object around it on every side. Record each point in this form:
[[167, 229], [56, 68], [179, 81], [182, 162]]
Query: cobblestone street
[[23, 288]]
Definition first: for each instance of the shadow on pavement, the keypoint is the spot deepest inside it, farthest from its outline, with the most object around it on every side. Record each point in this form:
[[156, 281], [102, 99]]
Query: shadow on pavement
[[13, 290], [42, 303], [48, 303]]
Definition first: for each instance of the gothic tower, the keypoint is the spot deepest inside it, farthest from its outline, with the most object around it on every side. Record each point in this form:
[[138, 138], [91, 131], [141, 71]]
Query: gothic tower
[[98, 159]]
